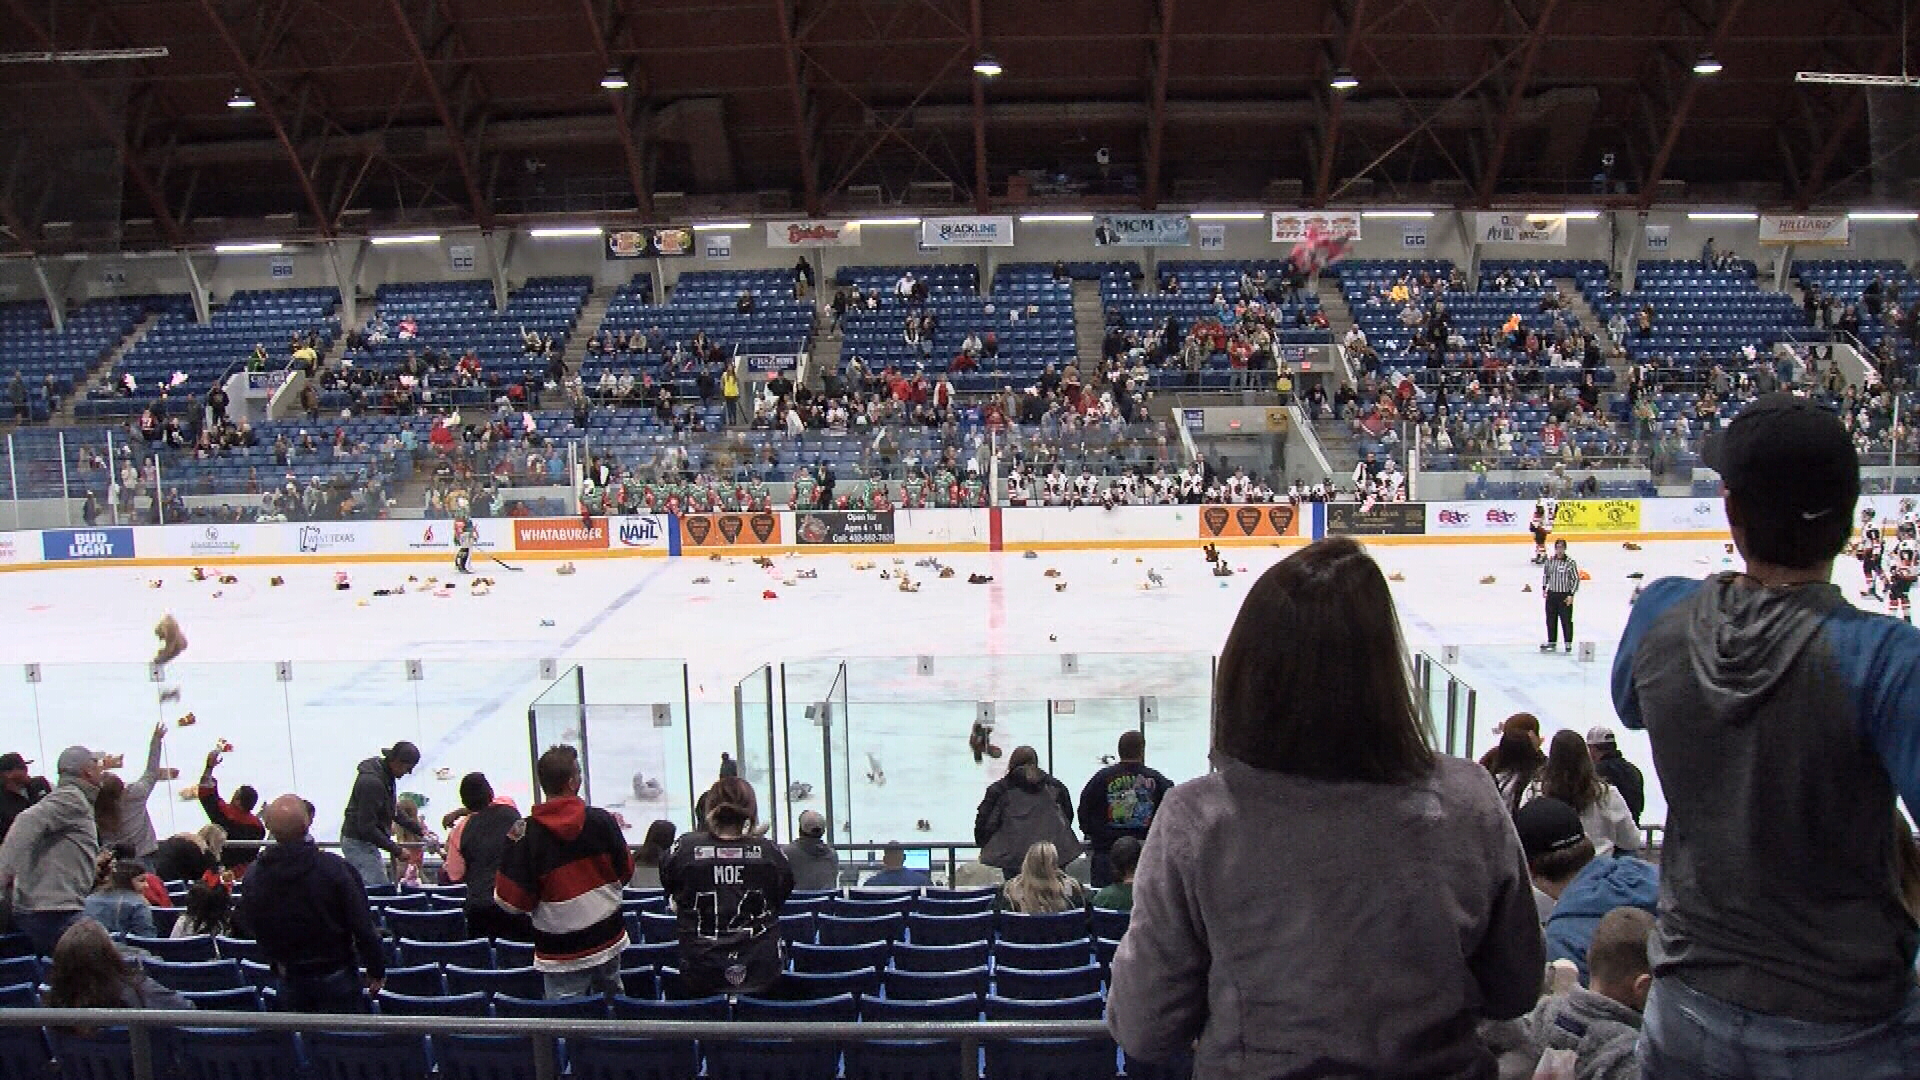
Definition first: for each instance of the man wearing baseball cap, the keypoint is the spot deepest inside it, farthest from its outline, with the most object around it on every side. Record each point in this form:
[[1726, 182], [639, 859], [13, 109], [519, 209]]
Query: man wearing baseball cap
[[1615, 769], [1784, 724], [19, 789], [366, 832], [48, 859]]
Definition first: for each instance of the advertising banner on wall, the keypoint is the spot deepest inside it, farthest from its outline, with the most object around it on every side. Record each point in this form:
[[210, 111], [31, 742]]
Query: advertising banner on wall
[[643, 531], [1234, 522], [1478, 518], [728, 530], [793, 234], [844, 527], [560, 534], [73, 545], [1581, 516], [991, 230], [1818, 230], [1380, 519], [1141, 230], [1292, 226], [1532, 230], [651, 242]]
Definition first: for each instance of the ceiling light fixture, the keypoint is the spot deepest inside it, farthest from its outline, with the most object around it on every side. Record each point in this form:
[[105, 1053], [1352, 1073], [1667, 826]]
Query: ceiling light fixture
[[721, 226], [1582, 215], [987, 67], [563, 232], [1396, 215], [1344, 79], [1707, 65], [1882, 215], [1721, 215], [1056, 219], [614, 79], [83, 56], [405, 238], [258, 247], [1228, 215], [240, 99], [880, 222]]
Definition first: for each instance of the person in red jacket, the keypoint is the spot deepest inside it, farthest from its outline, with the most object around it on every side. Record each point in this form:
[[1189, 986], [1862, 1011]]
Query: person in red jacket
[[565, 865], [234, 815]]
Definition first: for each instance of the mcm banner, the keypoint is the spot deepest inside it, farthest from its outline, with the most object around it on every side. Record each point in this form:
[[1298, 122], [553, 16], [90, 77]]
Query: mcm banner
[[1141, 230]]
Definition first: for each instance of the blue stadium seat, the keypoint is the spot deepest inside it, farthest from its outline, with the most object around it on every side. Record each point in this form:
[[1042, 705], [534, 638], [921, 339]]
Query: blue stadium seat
[[423, 980], [24, 1054], [339, 1055], [1085, 1007], [209, 975], [427, 925], [838, 931], [487, 1057], [798, 928], [777, 1058], [245, 999], [461, 1004], [1018, 985], [1051, 1059], [659, 928], [574, 1008], [512, 954], [473, 953], [952, 905], [927, 986], [949, 929], [1107, 923], [869, 907], [915, 1059], [519, 982], [936, 958], [238, 1054], [19, 969], [1070, 954], [805, 986], [232, 948], [1021, 929], [187, 950], [829, 959], [104, 1055]]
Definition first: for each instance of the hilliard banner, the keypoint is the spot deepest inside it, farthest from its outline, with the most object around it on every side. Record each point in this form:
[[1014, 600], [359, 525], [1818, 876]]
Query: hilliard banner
[[728, 530], [844, 527], [1821, 230], [1235, 522]]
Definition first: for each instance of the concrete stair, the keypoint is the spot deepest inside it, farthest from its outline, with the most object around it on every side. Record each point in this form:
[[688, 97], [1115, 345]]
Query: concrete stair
[[102, 372], [1336, 442], [1593, 325], [1089, 328], [825, 350], [592, 314], [1334, 303]]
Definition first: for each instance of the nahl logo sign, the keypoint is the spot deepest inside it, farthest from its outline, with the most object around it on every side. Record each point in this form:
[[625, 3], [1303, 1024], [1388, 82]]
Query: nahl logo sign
[[642, 533]]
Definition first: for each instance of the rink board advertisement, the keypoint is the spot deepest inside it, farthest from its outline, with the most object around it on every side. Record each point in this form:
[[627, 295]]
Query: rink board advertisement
[[844, 527], [80, 545], [1478, 518], [1682, 516], [1382, 519], [1585, 516], [642, 532], [1240, 522], [710, 531], [560, 534]]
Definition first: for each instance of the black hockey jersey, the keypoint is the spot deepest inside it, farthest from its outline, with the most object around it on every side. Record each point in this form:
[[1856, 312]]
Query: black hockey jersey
[[727, 896]]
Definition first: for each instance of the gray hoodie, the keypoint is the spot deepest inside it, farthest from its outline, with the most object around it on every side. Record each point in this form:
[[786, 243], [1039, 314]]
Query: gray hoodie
[[1783, 721], [815, 865], [1304, 928], [48, 855], [1600, 1031], [369, 816]]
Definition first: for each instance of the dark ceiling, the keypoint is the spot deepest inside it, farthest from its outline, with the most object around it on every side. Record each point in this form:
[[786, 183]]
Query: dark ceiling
[[377, 111]]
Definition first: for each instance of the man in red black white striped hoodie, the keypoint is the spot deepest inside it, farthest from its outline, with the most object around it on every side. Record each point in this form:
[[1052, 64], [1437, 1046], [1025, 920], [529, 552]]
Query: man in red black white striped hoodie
[[564, 865]]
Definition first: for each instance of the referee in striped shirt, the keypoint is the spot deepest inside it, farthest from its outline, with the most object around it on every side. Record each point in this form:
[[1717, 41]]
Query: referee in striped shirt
[[1559, 579]]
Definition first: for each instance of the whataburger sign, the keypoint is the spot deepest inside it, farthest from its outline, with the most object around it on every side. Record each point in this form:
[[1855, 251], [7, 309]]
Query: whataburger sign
[[794, 234]]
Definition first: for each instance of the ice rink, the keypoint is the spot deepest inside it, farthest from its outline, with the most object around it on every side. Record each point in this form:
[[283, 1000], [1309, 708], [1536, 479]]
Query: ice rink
[[348, 690]]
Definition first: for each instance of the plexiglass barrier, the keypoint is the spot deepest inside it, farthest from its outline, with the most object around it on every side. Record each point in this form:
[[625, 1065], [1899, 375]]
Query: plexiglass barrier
[[629, 720], [880, 745]]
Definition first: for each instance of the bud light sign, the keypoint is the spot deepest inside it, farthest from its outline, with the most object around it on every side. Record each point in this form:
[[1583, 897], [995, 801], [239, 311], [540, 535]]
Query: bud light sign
[[67, 545]]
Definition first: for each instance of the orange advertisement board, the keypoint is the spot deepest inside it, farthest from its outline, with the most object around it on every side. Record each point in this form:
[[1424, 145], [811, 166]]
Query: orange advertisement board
[[728, 530], [1236, 522], [560, 534]]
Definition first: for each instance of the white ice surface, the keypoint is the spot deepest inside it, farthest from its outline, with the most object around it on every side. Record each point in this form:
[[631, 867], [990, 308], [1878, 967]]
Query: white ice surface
[[349, 693]]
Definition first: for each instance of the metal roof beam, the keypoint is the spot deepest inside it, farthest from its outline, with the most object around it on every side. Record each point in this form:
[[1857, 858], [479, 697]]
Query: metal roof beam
[[629, 146], [1350, 28], [482, 210], [803, 136], [1516, 93], [1842, 129], [256, 87], [977, 40], [1729, 10], [1157, 103]]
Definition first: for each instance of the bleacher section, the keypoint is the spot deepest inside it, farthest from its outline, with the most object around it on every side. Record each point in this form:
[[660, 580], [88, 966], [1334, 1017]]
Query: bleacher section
[[250, 470], [1029, 315], [31, 347], [1847, 278], [1701, 317], [702, 301], [204, 354], [1140, 312], [457, 316]]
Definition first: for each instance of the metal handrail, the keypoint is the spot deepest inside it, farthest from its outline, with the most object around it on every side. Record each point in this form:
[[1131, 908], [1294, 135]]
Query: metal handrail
[[141, 1023]]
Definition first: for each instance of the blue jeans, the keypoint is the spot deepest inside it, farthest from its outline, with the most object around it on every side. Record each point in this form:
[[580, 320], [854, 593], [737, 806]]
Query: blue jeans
[[370, 861], [44, 928], [339, 992], [1687, 1035], [604, 979]]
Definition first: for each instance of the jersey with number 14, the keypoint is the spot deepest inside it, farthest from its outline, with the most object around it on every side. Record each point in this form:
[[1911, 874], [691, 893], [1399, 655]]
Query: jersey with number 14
[[727, 896]]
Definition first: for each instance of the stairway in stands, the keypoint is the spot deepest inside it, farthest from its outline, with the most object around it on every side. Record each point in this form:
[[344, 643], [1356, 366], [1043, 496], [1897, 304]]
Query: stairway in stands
[[1089, 328], [1594, 326], [102, 372]]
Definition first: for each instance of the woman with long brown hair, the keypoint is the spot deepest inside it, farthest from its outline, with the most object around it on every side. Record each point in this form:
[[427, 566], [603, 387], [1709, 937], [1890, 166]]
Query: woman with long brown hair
[[1570, 777], [1335, 898], [727, 886], [90, 972]]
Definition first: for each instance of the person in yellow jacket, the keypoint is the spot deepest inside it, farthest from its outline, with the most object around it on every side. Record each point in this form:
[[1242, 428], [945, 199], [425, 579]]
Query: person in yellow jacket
[[730, 391]]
